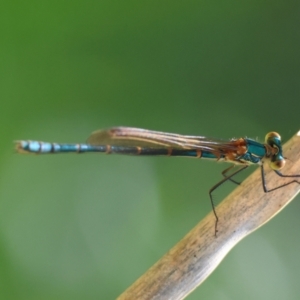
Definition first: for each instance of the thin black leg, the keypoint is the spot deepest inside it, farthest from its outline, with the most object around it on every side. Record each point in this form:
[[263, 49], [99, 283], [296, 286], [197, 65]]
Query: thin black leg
[[216, 186], [266, 190], [232, 180]]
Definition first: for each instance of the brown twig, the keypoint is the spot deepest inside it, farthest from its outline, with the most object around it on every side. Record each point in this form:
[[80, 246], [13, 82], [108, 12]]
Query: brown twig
[[192, 260]]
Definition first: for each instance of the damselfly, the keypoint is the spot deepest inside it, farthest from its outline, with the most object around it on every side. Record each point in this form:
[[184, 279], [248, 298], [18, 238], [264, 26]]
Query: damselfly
[[135, 141]]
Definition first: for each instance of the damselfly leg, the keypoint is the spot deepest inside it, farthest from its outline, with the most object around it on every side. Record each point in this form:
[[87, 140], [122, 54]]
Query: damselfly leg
[[215, 187], [227, 170], [279, 174]]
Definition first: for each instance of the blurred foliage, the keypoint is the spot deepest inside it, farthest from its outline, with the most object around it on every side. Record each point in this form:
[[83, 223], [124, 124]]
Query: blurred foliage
[[87, 226]]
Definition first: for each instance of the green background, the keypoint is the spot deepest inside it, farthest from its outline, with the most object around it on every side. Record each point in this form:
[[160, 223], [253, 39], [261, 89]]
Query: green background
[[87, 226]]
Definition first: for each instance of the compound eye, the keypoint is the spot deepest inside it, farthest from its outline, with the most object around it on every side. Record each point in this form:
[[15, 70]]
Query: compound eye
[[272, 135], [277, 164]]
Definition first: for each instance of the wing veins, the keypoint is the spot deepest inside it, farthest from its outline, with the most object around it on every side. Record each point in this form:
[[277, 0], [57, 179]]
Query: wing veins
[[127, 136]]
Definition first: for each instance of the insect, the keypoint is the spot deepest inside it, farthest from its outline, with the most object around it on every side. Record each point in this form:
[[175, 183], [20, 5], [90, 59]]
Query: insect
[[136, 141]]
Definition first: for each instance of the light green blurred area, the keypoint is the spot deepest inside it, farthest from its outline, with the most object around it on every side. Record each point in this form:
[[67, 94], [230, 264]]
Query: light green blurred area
[[87, 226]]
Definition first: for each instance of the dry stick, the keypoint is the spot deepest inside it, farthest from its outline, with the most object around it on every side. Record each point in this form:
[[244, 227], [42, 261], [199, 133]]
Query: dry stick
[[247, 208]]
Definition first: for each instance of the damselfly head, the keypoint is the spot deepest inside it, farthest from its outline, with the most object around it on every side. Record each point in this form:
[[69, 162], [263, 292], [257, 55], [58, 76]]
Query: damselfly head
[[273, 141]]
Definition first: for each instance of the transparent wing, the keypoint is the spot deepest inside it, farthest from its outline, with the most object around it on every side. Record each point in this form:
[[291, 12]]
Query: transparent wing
[[136, 137]]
